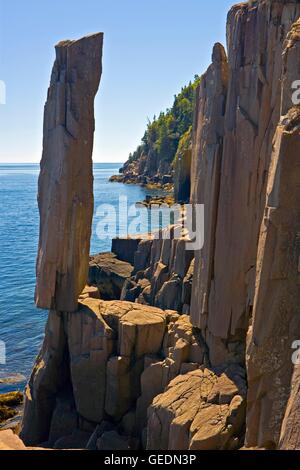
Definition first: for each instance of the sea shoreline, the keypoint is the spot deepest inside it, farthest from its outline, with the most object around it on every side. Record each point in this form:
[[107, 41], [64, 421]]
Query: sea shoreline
[[16, 382]]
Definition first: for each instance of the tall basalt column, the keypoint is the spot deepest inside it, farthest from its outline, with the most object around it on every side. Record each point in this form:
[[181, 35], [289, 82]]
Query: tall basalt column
[[273, 392], [256, 33], [65, 193], [205, 173]]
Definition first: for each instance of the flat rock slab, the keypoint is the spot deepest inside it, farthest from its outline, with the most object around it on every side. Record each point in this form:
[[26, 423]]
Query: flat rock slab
[[140, 328]]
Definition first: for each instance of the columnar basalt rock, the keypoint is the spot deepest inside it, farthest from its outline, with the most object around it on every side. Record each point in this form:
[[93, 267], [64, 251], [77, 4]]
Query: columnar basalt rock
[[119, 353], [201, 410], [229, 273], [163, 273], [159, 378], [276, 315], [223, 304], [290, 437], [66, 179], [206, 167]]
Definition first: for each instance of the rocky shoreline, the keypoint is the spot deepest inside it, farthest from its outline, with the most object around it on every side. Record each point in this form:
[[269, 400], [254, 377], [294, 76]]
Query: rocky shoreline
[[154, 346], [164, 183], [11, 410]]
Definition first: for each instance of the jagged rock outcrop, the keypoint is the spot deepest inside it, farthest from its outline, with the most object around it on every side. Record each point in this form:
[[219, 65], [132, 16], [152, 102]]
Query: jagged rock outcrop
[[66, 178], [146, 171], [163, 273]]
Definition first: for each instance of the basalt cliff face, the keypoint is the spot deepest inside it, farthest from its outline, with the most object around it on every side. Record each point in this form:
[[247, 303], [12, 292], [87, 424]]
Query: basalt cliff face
[[246, 172], [197, 354]]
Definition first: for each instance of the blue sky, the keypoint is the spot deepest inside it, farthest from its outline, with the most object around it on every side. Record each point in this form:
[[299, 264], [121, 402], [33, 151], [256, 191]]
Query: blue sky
[[151, 49]]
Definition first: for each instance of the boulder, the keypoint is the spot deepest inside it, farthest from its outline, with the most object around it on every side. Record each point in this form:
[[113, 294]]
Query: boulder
[[10, 441], [108, 274], [182, 417], [177, 351]]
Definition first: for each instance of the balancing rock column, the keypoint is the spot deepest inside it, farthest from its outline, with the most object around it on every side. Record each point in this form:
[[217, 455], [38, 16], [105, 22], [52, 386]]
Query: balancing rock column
[[65, 193]]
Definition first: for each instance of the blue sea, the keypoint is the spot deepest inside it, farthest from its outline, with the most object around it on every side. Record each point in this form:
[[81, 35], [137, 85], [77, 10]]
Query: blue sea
[[21, 324]]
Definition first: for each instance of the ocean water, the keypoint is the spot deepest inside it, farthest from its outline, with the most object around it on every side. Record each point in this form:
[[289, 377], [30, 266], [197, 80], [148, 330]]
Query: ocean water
[[21, 324]]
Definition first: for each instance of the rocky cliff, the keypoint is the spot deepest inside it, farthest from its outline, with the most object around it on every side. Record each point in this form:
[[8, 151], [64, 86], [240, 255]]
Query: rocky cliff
[[164, 151], [197, 354], [245, 157]]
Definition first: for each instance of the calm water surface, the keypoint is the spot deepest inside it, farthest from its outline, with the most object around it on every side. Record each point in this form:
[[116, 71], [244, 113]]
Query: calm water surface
[[21, 324]]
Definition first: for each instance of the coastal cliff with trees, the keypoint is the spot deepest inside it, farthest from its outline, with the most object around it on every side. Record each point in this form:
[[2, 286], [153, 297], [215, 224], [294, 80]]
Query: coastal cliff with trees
[[165, 144], [165, 348]]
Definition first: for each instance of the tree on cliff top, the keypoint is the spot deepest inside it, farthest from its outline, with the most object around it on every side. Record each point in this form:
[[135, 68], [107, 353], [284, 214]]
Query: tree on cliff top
[[163, 133]]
